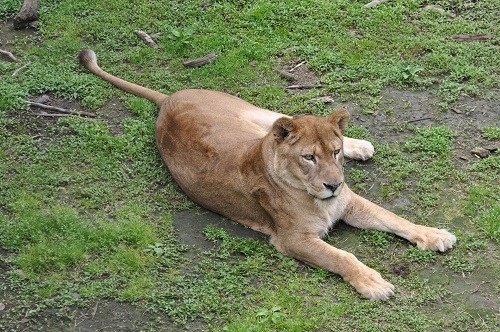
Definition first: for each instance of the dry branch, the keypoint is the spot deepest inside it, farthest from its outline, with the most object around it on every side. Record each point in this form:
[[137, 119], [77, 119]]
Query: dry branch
[[27, 14], [15, 72], [304, 86], [62, 110], [146, 38], [374, 3], [9, 55], [200, 61], [53, 115], [298, 65]]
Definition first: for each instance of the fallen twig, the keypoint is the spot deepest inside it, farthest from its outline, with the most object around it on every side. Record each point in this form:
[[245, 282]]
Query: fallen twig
[[304, 86], [298, 65], [15, 72], [374, 3], [9, 55], [53, 115], [62, 110], [200, 61], [146, 38], [421, 119]]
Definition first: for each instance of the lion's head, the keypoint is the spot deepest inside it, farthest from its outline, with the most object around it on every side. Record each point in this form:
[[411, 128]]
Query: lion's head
[[308, 153]]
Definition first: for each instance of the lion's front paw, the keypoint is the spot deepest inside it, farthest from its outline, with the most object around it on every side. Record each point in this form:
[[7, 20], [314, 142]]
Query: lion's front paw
[[358, 149], [429, 238], [371, 285]]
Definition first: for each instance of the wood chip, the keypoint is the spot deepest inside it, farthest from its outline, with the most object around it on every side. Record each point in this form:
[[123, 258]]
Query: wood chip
[[200, 61], [146, 38]]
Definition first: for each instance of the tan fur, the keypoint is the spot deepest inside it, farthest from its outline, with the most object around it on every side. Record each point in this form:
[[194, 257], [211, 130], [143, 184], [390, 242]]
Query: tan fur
[[278, 175]]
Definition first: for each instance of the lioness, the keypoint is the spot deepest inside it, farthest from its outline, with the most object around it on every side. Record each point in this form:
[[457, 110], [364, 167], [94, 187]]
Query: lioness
[[278, 175]]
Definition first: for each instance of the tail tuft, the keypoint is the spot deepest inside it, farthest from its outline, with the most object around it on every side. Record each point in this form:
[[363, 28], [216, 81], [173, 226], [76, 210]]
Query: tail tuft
[[87, 58]]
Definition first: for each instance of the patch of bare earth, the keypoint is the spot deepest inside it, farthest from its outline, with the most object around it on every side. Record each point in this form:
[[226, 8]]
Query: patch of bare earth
[[399, 109], [38, 121]]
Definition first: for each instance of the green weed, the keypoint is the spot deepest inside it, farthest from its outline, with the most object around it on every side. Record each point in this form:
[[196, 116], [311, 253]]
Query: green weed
[[491, 133], [431, 142]]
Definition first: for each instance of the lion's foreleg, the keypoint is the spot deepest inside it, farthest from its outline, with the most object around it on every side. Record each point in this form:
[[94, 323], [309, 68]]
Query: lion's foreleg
[[316, 252], [364, 214]]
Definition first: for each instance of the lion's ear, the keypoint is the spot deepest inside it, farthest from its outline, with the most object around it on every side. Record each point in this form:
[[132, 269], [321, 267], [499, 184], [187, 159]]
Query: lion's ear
[[341, 119], [282, 128]]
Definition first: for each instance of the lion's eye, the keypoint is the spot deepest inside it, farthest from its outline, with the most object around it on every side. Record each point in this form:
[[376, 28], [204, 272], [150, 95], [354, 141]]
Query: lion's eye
[[309, 157], [336, 152]]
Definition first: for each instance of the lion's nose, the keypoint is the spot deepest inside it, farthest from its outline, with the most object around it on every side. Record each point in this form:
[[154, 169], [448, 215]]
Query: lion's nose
[[332, 186]]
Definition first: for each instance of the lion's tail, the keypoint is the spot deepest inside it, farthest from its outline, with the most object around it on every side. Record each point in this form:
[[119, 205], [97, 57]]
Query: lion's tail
[[89, 60]]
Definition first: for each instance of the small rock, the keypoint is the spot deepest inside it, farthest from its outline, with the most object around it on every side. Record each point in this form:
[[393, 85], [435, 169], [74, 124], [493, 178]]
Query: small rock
[[2, 306], [480, 152], [43, 99]]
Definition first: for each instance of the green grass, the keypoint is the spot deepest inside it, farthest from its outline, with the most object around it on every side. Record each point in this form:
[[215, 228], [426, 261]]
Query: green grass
[[86, 204]]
